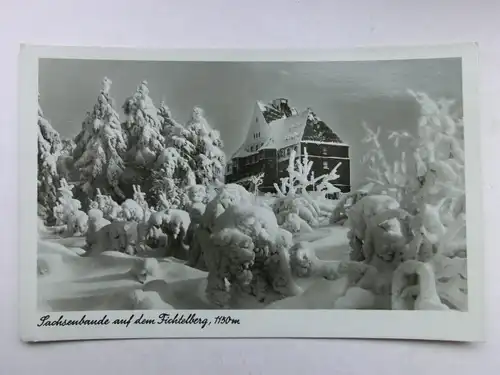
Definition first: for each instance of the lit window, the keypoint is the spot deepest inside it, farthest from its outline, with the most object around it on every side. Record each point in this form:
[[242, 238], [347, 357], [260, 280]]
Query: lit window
[[325, 165], [324, 150]]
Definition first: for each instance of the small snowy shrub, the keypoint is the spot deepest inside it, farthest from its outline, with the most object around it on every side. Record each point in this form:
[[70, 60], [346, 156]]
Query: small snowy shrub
[[104, 203], [293, 192], [67, 212], [96, 221]]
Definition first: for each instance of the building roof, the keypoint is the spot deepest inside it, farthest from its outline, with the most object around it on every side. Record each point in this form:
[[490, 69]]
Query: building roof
[[317, 130], [286, 131], [289, 127]]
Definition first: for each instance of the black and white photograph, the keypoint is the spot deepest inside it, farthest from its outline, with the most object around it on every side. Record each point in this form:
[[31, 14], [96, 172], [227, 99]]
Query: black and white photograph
[[255, 185]]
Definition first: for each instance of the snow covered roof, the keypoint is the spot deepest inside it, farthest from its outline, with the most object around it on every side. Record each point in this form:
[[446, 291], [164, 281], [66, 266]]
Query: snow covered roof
[[286, 131], [288, 127]]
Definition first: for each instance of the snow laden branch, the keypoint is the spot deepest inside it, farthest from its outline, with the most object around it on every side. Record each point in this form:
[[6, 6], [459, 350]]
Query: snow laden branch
[[256, 181], [296, 208], [301, 179], [390, 179]]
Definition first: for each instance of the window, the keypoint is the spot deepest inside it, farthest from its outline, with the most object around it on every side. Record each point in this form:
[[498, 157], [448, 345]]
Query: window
[[324, 150], [325, 165]]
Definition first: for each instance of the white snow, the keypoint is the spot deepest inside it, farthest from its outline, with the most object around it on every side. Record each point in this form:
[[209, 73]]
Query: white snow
[[401, 245]]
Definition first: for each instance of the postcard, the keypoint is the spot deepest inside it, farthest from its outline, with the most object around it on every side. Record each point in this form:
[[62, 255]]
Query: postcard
[[250, 193]]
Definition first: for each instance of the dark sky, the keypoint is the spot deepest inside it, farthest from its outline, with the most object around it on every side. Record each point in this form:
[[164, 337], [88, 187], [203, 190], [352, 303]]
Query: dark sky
[[343, 94]]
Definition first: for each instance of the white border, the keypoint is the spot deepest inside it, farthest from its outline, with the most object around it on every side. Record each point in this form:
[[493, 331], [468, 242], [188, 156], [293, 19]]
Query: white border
[[423, 325]]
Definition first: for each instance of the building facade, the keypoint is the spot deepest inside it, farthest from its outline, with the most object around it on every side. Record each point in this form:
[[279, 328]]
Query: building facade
[[275, 130]]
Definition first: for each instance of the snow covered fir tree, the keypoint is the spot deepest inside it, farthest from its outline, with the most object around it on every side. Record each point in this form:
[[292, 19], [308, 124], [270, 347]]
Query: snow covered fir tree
[[49, 150], [170, 222], [99, 148]]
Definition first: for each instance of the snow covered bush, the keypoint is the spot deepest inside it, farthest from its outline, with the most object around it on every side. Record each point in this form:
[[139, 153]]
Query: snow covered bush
[[226, 196], [67, 212], [104, 203], [247, 256], [196, 197], [346, 201], [135, 209], [421, 294], [49, 150], [430, 190], [293, 223], [436, 170], [118, 236], [100, 146], [96, 221], [294, 198], [176, 225]]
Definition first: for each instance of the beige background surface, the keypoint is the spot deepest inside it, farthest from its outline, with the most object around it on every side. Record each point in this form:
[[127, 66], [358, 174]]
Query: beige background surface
[[259, 24]]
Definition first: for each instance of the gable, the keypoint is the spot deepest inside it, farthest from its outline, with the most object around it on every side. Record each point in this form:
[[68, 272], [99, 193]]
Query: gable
[[317, 130]]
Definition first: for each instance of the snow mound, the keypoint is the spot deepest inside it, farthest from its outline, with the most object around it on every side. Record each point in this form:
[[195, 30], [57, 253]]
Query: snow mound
[[356, 298], [45, 247], [187, 293], [151, 300], [322, 294], [143, 269], [52, 259], [49, 264]]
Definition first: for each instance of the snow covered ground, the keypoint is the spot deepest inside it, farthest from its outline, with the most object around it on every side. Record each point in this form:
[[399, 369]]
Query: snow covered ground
[[68, 281]]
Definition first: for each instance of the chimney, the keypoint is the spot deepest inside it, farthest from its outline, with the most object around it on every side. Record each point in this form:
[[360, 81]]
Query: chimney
[[281, 104]]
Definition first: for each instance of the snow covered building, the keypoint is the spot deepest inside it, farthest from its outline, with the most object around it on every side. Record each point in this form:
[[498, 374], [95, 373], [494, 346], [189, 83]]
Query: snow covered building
[[275, 130]]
